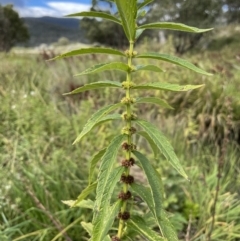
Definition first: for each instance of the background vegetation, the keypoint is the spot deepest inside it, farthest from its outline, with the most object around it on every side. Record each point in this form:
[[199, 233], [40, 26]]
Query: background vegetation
[[40, 167], [12, 28]]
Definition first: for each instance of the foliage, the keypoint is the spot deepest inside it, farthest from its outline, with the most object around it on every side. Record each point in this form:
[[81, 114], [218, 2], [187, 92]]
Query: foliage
[[32, 104], [13, 28], [105, 207], [100, 32], [233, 10], [205, 12]]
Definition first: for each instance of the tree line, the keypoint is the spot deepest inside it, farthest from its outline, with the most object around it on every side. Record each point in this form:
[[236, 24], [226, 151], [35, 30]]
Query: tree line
[[202, 14], [12, 28]]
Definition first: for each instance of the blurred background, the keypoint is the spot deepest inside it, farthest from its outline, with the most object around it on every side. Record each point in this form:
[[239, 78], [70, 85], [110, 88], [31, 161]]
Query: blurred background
[[39, 167]]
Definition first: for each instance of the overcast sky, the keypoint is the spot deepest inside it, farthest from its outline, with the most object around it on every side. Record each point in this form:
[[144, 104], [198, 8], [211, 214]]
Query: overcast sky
[[39, 8]]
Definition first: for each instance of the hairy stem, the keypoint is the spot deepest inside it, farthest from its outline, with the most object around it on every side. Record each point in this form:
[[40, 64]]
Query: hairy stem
[[129, 138]]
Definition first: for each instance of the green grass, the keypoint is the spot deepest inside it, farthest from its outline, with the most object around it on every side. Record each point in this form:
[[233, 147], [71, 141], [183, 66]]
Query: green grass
[[40, 167]]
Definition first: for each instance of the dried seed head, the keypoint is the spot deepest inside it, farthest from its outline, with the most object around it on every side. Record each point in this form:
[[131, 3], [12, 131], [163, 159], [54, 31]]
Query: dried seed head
[[128, 163], [127, 147], [132, 161], [115, 238], [127, 179], [123, 178], [130, 179], [124, 196], [124, 216], [132, 130]]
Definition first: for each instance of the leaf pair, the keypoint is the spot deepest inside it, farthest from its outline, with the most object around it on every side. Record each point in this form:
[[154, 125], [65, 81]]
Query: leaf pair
[[124, 67], [157, 86], [96, 119]]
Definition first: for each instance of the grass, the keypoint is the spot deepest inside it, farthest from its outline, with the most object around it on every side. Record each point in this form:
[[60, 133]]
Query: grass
[[40, 167]]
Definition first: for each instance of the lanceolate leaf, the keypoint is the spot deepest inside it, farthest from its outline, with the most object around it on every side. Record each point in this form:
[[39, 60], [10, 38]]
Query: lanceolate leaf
[[163, 145], [93, 50], [102, 67], [150, 141], [146, 195], [96, 85], [128, 12], [173, 26], [96, 15], [154, 100], [107, 162], [96, 158], [156, 186], [106, 118], [163, 222], [138, 224], [85, 193], [167, 227], [96, 117], [107, 238], [174, 60], [149, 67], [105, 216], [138, 33], [109, 117], [143, 4], [105, 220], [166, 86], [88, 227]]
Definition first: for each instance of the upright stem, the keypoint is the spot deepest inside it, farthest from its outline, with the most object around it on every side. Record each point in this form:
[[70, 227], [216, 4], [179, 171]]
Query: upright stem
[[129, 138]]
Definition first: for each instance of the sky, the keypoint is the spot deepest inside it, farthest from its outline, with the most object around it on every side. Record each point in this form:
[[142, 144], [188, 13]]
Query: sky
[[53, 8]]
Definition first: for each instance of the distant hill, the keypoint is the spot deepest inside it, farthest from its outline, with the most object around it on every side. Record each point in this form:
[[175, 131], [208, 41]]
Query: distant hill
[[48, 30]]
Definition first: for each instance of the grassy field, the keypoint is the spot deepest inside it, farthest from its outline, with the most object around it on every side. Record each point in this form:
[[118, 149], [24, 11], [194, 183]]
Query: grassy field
[[40, 166]]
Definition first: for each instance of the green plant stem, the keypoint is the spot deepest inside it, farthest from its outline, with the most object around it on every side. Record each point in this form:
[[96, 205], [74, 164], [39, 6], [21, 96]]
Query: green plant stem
[[129, 139]]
